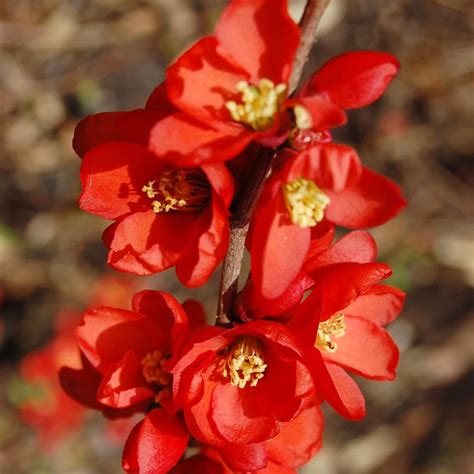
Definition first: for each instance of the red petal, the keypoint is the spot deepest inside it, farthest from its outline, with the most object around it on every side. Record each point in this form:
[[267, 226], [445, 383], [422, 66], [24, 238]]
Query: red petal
[[209, 247], [202, 80], [186, 142], [353, 403], [221, 181], [354, 79], [196, 313], [381, 304], [324, 115], [247, 458], [158, 100], [144, 242], [366, 349], [274, 237], [131, 127], [165, 310], [298, 440], [331, 166], [199, 464], [112, 177], [267, 37], [357, 246], [155, 445], [373, 201], [106, 334], [125, 386]]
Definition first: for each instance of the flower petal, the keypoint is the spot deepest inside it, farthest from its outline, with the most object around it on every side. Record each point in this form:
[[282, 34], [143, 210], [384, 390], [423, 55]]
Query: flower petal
[[357, 246], [274, 237], [144, 242], [187, 142], [209, 247], [366, 349], [155, 445], [202, 80], [267, 37], [131, 127], [354, 79], [106, 334], [112, 177], [381, 304], [373, 201], [299, 439], [324, 114], [125, 385]]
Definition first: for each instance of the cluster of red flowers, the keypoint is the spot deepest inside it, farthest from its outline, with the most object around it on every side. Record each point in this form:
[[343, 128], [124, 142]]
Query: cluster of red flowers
[[312, 310]]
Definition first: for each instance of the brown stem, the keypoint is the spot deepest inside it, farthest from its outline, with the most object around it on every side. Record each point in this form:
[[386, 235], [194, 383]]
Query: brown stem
[[309, 23], [239, 223]]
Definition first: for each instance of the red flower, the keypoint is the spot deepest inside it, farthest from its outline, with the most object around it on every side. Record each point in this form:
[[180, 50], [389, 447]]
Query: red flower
[[349, 308], [322, 182], [229, 93], [129, 348], [238, 386], [164, 216]]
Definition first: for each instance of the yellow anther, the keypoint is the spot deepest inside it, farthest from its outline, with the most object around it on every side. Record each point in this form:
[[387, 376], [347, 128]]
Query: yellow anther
[[152, 368], [245, 364], [259, 104], [305, 202], [178, 190], [303, 118], [332, 327]]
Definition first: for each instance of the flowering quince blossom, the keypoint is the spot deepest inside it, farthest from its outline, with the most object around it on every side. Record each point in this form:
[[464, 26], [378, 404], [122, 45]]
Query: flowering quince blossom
[[229, 93], [164, 216], [322, 182], [348, 306], [237, 387]]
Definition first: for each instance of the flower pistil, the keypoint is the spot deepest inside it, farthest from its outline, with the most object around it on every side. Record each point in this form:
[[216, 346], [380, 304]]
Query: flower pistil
[[178, 190]]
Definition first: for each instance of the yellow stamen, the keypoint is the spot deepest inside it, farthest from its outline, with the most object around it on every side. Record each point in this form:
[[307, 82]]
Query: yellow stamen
[[178, 190], [303, 117], [259, 104], [153, 370], [245, 363], [305, 202], [332, 327]]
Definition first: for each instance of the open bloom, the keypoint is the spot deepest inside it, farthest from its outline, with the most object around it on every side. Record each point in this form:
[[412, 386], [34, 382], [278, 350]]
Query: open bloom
[[238, 386], [164, 216], [341, 324], [228, 93], [323, 182]]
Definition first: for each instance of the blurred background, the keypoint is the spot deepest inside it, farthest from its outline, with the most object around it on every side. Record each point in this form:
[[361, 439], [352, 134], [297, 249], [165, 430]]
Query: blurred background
[[63, 59]]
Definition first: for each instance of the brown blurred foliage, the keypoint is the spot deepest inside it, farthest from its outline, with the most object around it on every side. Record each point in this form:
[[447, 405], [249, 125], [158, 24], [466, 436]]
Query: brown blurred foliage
[[61, 60]]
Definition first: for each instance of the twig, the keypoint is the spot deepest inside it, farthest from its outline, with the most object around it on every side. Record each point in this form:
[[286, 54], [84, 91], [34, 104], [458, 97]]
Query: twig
[[239, 223]]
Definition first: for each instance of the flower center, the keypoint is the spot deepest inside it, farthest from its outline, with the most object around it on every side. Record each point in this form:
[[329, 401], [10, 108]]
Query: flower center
[[153, 371], [259, 104], [305, 202], [178, 190], [245, 363], [333, 327]]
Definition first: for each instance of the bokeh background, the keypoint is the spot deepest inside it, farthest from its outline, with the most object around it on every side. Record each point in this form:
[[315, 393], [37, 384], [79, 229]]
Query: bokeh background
[[63, 59]]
